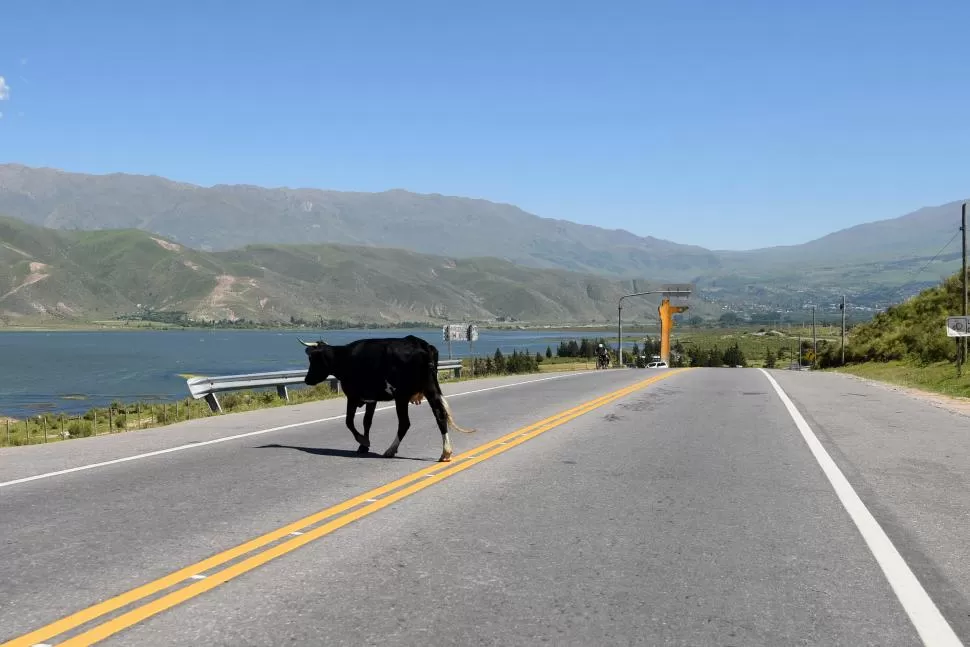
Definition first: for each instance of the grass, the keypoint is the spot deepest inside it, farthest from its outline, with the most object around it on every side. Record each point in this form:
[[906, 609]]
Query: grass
[[119, 418], [939, 377], [560, 364], [753, 345]]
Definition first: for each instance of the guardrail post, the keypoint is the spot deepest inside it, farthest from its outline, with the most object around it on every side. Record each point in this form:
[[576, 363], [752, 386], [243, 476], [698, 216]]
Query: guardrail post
[[335, 385], [282, 392], [213, 403]]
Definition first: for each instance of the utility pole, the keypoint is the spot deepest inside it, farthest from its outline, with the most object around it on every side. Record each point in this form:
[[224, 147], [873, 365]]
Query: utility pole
[[814, 341], [963, 228], [842, 307], [619, 333]]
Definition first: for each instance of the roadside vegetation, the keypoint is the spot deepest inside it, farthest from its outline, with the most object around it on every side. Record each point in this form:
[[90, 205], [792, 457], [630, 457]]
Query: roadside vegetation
[[907, 344], [937, 377]]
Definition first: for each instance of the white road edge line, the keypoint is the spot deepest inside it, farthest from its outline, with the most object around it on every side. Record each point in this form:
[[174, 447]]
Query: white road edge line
[[923, 613], [248, 434]]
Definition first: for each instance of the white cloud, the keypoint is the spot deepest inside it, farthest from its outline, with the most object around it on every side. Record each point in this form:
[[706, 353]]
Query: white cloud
[[4, 89], [23, 61]]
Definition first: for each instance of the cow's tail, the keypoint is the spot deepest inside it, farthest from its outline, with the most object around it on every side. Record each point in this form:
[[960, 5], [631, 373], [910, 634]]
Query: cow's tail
[[451, 419], [444, 401]]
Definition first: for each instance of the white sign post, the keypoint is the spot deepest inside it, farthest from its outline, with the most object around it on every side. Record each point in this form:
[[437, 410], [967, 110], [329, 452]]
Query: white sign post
[[459, 332], [957, 326]]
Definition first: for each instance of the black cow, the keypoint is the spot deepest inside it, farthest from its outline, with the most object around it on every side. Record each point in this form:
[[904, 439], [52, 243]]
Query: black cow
[[402, 369]]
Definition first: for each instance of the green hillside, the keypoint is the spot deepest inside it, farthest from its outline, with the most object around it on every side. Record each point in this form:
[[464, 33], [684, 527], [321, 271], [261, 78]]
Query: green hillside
[[907, 344], [913, 330], [81, 276]]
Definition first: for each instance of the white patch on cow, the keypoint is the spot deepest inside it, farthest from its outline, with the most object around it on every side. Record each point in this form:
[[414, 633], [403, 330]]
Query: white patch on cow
[[389, 389], [446, 444]]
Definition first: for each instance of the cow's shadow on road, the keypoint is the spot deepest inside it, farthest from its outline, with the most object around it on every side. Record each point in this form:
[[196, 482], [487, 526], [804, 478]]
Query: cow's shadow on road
[[342, 453]]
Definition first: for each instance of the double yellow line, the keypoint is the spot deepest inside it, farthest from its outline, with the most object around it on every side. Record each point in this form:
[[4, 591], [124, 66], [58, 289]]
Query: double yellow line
[[196, 579]]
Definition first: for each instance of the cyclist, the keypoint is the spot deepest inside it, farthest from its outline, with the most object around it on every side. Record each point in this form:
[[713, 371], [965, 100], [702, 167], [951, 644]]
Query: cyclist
[[602, 356]]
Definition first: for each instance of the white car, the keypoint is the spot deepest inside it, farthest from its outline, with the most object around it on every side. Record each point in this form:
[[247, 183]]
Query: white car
[[657, 365]]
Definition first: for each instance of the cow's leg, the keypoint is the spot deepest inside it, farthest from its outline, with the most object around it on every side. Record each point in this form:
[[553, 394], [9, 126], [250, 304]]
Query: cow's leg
[[441, 417], [403, 424], [368, 419], [352, 406]]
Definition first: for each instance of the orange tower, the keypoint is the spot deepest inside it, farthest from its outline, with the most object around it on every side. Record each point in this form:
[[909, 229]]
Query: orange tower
[[667, 313]]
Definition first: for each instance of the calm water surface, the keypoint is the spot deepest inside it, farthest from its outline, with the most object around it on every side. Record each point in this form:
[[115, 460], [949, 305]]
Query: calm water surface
[[74, 371]]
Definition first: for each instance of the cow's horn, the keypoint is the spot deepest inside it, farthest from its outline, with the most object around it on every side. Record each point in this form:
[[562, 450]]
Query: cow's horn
[[311, 344]]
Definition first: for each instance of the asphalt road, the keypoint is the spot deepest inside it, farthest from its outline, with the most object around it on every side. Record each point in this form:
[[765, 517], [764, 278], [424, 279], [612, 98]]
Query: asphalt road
[[688, 511]]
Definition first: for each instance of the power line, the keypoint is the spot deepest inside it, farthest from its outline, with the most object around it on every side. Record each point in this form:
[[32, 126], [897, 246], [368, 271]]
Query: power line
[[942, 249], [899, 289]]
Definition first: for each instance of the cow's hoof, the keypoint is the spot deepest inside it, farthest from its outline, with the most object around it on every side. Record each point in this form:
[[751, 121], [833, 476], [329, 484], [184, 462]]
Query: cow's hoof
[[389, 454], [445, 458], [363, 449]]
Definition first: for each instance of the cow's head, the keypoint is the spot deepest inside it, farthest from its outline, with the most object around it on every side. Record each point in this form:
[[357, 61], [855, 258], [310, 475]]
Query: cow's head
[[321, 361]]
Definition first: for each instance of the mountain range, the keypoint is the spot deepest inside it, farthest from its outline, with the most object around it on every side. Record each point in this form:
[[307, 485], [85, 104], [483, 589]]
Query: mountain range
[[48, 274], [874, 264]]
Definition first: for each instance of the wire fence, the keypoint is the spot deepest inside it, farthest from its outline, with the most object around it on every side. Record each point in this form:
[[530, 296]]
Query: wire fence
[[118, 417]]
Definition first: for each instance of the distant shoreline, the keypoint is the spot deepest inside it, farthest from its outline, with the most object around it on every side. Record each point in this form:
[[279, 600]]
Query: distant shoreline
[[144, 327]]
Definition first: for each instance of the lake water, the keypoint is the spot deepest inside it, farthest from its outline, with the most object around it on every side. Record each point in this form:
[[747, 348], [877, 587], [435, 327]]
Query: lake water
[[74, 371]]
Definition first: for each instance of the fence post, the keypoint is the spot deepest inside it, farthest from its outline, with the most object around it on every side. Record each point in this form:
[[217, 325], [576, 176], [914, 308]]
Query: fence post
[[111, 426], [8, 431], [95, 412], [27, 429]]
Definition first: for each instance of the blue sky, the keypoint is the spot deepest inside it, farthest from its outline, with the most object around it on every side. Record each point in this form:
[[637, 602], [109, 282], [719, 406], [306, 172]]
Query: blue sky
[[725, 124]]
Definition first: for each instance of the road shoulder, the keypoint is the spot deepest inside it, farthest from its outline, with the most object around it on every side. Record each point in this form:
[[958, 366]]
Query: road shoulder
[[906, 457]]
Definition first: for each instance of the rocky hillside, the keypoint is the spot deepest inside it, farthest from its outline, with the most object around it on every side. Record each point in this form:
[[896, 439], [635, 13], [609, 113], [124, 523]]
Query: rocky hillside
[[78, 275]]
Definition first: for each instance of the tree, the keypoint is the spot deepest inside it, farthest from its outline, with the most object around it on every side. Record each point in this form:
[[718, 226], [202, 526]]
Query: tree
[[734, 357], [769, 359], [499, 361], [548, 352], [573, 348], [695, 356], [714, 357]]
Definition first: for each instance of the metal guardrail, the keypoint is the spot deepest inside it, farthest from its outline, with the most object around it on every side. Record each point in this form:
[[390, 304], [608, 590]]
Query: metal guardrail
[[207, 388]]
